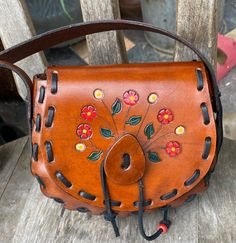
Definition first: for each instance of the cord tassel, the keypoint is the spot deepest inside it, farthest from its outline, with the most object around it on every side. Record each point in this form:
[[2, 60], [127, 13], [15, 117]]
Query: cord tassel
[[164, 224]]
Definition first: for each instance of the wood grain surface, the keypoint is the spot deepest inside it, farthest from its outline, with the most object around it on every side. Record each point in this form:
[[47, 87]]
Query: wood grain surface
[[9, 155], [197, 22], [109, 47], [15, 27]]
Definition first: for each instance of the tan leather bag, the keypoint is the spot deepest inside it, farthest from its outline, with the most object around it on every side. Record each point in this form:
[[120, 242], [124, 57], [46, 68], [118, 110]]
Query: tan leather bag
[[120, 139]]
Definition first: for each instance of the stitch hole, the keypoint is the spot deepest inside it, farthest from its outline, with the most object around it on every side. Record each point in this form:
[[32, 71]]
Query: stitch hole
[[49, 121], [58, 200], [41, 94], [63, 179], [87, 195], [49, 151], [199, 79], [35, 152], [193, 178], [169, 195], [40, 181], [114, 203], [82, 210], [207, 148], [38, 123], [145, 203], [190, 198], [54, 84], [205, 114]]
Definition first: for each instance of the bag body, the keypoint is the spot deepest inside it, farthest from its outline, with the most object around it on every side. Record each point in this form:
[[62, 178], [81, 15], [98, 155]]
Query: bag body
[[156, 114], [121, 139]]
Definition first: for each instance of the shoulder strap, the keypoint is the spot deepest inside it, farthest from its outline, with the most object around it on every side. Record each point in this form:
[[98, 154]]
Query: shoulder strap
[[51, 38], [57, 36]]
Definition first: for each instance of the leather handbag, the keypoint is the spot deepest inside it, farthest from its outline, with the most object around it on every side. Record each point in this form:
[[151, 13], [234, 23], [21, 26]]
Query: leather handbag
[[120, 139]]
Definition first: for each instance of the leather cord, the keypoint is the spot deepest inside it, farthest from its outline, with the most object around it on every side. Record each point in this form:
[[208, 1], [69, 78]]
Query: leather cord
[[109, 215], [28, 85], [165, 220], [26, 81]]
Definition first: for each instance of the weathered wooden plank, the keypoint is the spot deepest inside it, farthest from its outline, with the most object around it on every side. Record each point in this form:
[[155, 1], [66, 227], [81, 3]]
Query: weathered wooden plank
[[217, 211], [15, 27], [9, 155], [104, 48], [13, 199], [197, 21], [41, 222]]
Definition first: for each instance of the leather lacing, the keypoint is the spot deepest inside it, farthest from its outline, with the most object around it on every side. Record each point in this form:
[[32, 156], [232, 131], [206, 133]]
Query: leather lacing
[[110, 215]]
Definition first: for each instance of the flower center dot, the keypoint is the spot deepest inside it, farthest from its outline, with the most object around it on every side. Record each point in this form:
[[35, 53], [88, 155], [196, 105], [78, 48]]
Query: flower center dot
[[89, 113], [132, 98], [84, 131], [166, 116], [173, 149]]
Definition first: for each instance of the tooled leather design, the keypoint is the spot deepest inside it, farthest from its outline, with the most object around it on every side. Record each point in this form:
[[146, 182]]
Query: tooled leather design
[[96, 109]]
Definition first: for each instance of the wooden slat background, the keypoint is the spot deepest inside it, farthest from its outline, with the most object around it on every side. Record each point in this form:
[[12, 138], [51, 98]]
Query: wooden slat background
[[15, 27], [197, 22], [109, 47]]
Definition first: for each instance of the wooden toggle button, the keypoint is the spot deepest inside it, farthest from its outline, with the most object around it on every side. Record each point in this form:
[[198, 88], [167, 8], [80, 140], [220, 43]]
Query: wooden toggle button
[[125, 162]]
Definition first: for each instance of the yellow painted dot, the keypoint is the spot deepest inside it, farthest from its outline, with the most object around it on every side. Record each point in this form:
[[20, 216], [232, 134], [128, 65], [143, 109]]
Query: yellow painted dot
[[180, 130], [98, 94], [173, 149], [166, 116], [80, 147], [132, 98], [84, 131], [89, 113], [152, 98]]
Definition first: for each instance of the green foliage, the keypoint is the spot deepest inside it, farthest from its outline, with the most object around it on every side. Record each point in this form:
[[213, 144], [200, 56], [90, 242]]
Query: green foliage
[[153, 157], [95, 155], [149, 130], [134, 120], [107, 133], [116, 107]]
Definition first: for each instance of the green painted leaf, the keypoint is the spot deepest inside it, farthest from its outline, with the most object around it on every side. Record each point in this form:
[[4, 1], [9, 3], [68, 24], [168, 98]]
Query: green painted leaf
[[149, 130], [107, 133], [116, 107], [153, 157], [95, 155], [134, 120]]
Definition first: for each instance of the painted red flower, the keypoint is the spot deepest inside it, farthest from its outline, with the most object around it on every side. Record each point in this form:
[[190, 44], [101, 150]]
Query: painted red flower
[[131, 97], [88, 113], [165, 116], [84, 131], [173, 148]]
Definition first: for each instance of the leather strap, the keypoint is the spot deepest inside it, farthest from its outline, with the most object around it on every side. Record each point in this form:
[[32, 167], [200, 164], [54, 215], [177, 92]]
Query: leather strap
[[51, 38]]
